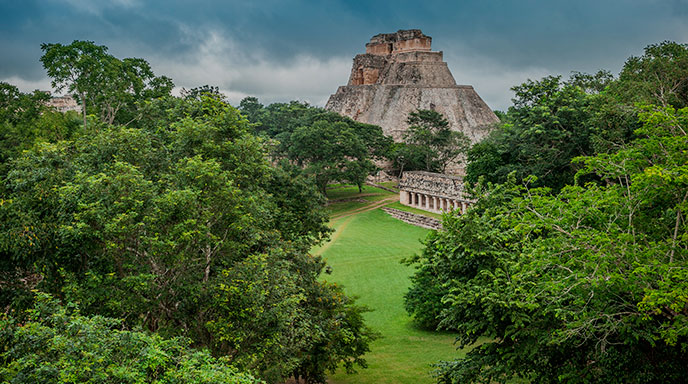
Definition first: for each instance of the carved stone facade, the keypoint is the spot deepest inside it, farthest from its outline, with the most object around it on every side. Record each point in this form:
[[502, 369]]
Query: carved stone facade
[[433, 192], [399, 74], [64, 104]]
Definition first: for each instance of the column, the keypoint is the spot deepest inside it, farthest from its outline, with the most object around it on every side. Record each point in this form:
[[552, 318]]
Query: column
[[464, 206], [426, 201]]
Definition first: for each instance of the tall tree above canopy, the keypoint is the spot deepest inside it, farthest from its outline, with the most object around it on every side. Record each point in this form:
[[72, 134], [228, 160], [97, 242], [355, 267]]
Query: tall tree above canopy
[[548, 125], [430, 130], [659, 76], [101, 81]]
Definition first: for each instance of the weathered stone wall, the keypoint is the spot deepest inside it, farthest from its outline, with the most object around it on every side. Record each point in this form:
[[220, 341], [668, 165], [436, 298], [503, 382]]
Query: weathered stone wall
[[401, 41], [414, 219], [366, 69], [435, 184], [399, 75], [64, 104], [433, 192]]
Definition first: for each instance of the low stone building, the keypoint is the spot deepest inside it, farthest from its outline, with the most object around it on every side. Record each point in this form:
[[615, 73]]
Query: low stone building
[[434, 192], [64, 104]]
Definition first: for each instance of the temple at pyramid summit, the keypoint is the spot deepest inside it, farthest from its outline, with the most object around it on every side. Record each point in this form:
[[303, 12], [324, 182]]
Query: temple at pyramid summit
[[399, 74]]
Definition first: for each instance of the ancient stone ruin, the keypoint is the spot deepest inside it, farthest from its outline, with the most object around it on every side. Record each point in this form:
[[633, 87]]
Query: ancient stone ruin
[[399, 74], [64, 104], [433, 192]]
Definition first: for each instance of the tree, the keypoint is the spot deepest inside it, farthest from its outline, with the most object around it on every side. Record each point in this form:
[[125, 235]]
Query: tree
[[100, 81], [407, 157], [52, 343], [180, 226], [549, 124], [585, 285], [331, 151], [430, 131], [659, 76], [26, 119], [329, 147]]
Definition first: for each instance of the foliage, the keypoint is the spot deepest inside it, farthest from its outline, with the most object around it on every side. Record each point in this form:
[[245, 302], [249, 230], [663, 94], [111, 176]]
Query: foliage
[[181, 226], [104, 85], [548, 125], [551, 121], [659, 76], [329, 147], [56, 344], [408, 157], [581, 286], [430, 136], [331, 151], [25, 120], [468, 245]]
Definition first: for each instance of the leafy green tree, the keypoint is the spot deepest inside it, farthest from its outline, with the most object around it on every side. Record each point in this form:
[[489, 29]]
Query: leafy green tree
[[407, 157], [430, 131], [469, 245], [548, 125], [586, 285], [56, 344], [25, 120], [331, 151], [659, 76], [180, 226], [329, 147], [102, 83]]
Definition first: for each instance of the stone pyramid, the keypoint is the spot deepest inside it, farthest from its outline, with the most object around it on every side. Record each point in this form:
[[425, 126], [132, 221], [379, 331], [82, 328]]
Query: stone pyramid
[[399, 74]]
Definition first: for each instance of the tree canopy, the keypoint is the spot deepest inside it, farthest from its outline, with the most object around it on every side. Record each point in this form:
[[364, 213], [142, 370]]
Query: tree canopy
[[571, 266], [328, 146], [104, 84], [174, 224]]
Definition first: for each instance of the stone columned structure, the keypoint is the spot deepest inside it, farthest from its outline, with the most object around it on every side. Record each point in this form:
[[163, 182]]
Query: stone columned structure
[[434, 192], [399, 74]]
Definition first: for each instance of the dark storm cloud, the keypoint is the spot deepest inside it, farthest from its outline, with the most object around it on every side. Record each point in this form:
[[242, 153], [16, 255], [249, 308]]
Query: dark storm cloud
[[249, 47]]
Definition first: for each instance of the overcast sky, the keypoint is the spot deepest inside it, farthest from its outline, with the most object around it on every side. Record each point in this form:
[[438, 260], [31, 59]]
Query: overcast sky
[[285, 50]]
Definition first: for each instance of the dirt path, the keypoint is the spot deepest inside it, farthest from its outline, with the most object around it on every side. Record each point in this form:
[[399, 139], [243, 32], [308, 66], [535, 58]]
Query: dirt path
[[348, 216], [367, 208], [334, 237]]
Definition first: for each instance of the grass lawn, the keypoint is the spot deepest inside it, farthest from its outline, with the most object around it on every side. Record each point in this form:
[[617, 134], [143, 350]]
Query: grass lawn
[[339, 208], [370, 194], [346, 191], [364, 254]]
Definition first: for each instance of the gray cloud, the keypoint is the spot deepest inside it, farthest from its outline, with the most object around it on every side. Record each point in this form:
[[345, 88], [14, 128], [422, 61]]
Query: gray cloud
[[282, 50]]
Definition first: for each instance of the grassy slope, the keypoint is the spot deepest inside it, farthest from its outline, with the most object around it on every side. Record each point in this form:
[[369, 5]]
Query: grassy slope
[[364, 254]]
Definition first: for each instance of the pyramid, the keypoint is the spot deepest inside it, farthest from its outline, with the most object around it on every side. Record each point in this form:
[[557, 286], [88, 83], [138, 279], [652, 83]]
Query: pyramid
[[399, 74]]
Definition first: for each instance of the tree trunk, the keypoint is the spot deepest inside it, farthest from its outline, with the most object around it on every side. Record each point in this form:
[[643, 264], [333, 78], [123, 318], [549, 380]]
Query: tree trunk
[[83, 108]]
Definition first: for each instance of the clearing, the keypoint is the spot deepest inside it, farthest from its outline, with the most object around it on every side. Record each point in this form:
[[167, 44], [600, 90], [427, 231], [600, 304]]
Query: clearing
[[365, 253]]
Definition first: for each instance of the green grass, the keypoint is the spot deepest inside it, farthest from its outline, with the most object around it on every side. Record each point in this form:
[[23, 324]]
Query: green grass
[[406, 208], [370, 194], [364, 254], [390, 184], [336, 209], [346, 191]]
